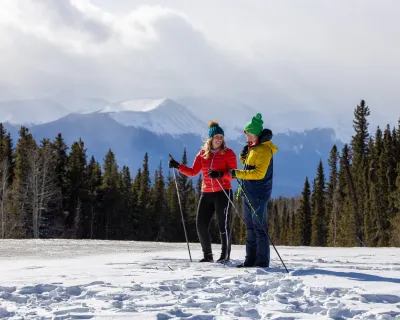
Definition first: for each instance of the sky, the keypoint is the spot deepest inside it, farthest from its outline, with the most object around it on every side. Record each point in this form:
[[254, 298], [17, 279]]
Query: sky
[[311, 61]]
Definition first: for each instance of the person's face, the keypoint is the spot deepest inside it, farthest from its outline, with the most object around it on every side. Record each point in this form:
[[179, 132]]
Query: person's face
[[251, 137], [217, 141]]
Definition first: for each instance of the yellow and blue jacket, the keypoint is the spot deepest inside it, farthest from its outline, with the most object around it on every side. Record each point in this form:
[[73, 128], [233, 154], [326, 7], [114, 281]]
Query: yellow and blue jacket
[[257, 170]]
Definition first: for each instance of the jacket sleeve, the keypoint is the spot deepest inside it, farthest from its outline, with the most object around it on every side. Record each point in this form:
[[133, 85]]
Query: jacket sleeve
[[194, 170], [261, 166], [231, 162]]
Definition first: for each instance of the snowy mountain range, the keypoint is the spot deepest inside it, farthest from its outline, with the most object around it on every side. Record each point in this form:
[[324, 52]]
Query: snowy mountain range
[[162, 126]]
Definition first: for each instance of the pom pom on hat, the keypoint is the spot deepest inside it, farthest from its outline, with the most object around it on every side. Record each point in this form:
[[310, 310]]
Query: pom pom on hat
[[213, 123]]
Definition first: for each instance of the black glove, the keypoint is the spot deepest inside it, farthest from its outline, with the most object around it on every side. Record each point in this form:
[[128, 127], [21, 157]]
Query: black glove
[[173, 163], [232, 173], [244, 152], [215, 174]]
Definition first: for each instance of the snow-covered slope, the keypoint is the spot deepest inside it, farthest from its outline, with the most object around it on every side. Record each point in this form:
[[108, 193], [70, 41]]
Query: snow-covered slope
[[84, 279], [31, 111], [163, 116], [232, 115]]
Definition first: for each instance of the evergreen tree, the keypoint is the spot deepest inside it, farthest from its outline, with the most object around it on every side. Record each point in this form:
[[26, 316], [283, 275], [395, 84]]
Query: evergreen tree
[[377, 233], [292, 228], [76, 165], [361, 137], [20, 221], [135, 217], [395, 220], [359, 165], [319, 224], [284, 224], [159, 207], [143, 204], [183, 185], [111, 197], [174, 227], [59, 149], [370, 222], [7, 161], [6, 177], [126, 204], [388, 159], [192, 204], [349, 225], [385, 180], [398, 142], [332, 186], [304, 216], [92, 185]]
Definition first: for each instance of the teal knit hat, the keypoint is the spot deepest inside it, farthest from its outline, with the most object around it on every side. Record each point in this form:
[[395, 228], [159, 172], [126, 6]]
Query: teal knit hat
[[214, 128], [255, 126]]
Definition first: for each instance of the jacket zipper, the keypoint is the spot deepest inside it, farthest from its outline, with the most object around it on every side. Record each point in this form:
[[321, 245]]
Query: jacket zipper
[[212, 184]]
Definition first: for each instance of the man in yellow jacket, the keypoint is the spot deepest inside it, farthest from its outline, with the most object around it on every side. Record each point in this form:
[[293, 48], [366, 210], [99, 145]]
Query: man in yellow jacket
[[257, 160]]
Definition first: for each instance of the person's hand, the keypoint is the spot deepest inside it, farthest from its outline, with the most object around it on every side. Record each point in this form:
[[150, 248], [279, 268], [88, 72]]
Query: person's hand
[[232, 173], [215, 174], [244, 152], [173, 163]]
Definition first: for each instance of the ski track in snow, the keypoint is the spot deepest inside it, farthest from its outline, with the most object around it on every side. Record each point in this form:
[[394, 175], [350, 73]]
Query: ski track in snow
[[64, 279]]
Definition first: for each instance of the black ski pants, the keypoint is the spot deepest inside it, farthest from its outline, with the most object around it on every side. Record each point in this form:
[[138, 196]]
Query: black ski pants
[[218, 203]]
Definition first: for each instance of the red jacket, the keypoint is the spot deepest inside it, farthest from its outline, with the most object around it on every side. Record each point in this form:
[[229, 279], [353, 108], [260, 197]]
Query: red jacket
[[218, 162]]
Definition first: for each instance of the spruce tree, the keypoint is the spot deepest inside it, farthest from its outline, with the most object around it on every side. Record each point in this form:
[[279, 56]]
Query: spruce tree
[[331, 188], [20, 218], [144, 197], [135, 217], [377, 225], [275, 225], [111, 197], [6, 177], [395, 220], [126, 205], [159, 207], [284, 223], [370, 217], [319, 221], [92, 184], [76, 165], [60, 149], [359, 165], [174, 228], [385, 177], [349, 220], [292, 228], [304, 216]]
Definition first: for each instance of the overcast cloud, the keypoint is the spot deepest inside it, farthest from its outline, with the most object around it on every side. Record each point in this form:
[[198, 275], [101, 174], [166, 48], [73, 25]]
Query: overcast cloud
[[278, 56]]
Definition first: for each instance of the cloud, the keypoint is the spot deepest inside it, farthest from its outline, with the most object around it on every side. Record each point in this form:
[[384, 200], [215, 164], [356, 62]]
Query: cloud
[[306, 64], [72, 45]]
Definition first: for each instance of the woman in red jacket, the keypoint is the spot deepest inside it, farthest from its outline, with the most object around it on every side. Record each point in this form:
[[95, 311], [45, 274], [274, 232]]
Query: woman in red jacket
[[214, 160]]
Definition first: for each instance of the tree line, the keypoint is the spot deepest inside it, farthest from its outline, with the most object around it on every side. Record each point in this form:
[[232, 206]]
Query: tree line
[[358, 204], [51, 190]]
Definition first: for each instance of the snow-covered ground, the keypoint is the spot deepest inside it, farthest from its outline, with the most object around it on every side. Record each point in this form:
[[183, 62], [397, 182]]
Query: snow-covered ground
[[68, 279]]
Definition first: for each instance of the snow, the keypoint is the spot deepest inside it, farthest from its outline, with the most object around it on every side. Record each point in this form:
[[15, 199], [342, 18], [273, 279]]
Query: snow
[[31, 111], [159, 116], [83, 279], [232, 115]]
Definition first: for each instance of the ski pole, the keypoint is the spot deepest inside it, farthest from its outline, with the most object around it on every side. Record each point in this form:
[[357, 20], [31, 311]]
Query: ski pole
[[266, 232], [237, 212], [180, 207]]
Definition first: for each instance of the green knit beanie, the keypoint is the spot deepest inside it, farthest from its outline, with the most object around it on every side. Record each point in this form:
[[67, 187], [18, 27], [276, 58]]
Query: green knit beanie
[[255, 126]]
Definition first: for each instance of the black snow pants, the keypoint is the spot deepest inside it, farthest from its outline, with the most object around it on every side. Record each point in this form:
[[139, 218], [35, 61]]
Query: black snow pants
[[210, 203]]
